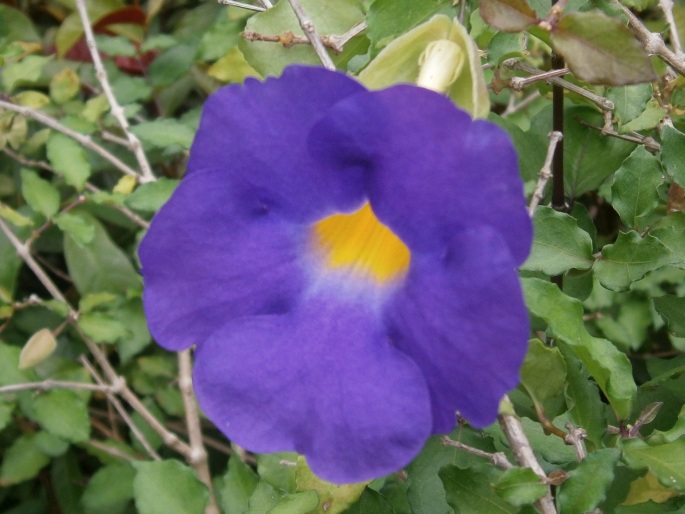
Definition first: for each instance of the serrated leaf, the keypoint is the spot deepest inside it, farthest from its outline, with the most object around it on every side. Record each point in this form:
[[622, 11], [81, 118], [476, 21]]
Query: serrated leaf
[[629, 101], [110, 490], [601, 50], [670, 230], [468, 491], [520, 486], [587, 485], [629, 259], [238, 484], [672, 309], [22, 460], [673, 154], [69, 159], [38, 348], [648, 119], [99, 265], [329, 19], [665, 461], [559, 244], [151, 196], [609, 367], [634, 192], [40, 194], [64, 414], [508, 15], [79, 228], [102, 328], [164, 132], [64, 85], [168, 487]]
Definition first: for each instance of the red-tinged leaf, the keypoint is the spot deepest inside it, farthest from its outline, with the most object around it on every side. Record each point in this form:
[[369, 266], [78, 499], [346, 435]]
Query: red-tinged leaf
[[508, 15], [600, 50], [132, 15]]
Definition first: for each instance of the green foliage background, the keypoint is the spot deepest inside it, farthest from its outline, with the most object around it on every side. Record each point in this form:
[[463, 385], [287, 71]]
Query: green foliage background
[[608, 349]]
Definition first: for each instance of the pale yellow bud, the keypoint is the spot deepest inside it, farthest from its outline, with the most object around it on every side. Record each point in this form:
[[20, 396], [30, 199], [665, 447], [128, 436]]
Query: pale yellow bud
[[440, 65]]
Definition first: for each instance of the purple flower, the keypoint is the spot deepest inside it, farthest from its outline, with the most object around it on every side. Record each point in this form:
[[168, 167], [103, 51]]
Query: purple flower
[[345, 261]]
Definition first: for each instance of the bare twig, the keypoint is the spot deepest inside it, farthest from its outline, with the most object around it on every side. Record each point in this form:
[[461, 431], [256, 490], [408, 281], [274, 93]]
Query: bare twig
[[198, 453], [47, 385], [116, 110], [110, 450], [518, 442], [242, 5], [514, 107], [288, 39], [80, 138], [576, 437], [652, 41], [667, 7], [603, 103], [499, 459], [310, 31], [634, 137], [545, 172], [114, 401], [518, 83]]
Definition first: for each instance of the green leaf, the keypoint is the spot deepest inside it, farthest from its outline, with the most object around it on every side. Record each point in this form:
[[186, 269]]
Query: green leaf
[[629, 259], [587, 485], [601, 50], [468, 491], [336, 498], [110, 490], [388, 19], [648, 119], [22, 460], [670, 231], [102, 328], [238, 484], [99, 265], [168, 487], [10, 264], [329, 18], [69, 159], [9, 367], [264, 498], [629, 328], [559, 244], [673, 154], [672, 309], [609, 367], [132, 316], [508, 15], [634, 188], [151, 196], [371, 502], [24, 72], [64, 414], [79, 228], [543, 373], [116, 45], [64, 85], [40, 194], [629, 101], [16, 219], [296, 503], [164, 132], [271, 468], [16, 26], [665, 461], [520, 486]]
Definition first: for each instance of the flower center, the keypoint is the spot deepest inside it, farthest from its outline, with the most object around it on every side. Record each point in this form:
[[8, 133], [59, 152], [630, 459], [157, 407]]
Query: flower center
[[361, 243]]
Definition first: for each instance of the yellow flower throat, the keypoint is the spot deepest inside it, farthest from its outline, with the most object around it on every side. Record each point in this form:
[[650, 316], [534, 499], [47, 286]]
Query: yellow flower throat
[[361, 243]]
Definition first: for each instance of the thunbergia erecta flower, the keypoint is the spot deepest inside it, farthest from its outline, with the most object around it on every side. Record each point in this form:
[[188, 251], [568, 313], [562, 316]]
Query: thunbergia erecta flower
[[345, 261]]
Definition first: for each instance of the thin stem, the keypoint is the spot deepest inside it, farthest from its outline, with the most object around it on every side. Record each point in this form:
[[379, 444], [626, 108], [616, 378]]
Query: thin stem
[[242, 5], [311, 33], [667, 8], [198, 453], [47, 385], [576, 437], [499, 459], [518, 83], [116, 110], [288, 39], [111, 450], [545, 173], [80, 138]]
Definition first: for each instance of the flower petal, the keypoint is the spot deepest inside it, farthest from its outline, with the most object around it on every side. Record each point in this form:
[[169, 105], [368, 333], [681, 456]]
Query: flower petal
[[207, 259], [460, 316], [256, 133], [322, 381], [434, 169]]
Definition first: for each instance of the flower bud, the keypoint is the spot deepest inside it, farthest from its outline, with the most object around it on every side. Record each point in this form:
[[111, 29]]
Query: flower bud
[[439, 65]]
